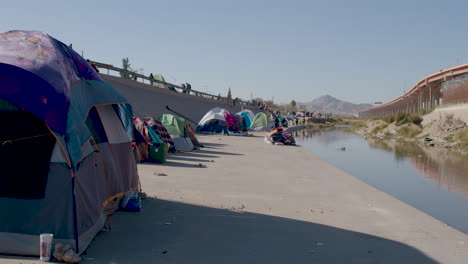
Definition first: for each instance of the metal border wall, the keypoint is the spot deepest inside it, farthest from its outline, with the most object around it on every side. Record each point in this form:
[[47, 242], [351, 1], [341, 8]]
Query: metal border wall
[[424, 95]]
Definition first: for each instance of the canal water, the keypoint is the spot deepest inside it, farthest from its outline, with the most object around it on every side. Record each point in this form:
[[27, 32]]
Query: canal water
[[431, 179]]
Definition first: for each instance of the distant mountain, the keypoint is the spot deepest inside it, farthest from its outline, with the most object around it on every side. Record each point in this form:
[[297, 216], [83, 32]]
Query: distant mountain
[[329, 104]]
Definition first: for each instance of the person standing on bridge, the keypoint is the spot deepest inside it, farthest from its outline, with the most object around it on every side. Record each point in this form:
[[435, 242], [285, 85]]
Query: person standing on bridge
[[151, 77]]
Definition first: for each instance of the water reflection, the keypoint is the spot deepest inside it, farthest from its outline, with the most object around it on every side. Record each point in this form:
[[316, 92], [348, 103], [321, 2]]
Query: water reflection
[[433, 180], [442, 166]]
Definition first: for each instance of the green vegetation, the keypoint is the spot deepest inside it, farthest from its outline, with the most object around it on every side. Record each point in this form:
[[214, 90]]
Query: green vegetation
[[387, 135], [389, 119], [408, 131], [357, 124], [377, 129], [462, 136], [450, 138], [402, 118]]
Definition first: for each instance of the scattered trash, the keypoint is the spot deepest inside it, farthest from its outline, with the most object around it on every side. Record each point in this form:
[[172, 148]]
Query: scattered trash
[[200, 165], [45, 246], [369, 251], [322, 212], [159, 174], [320, 244], [420, 156], [131, 202], [312, 210], [65, 253], [342, 148], [428, 139], [461, 242], [164, 252], [168, 223], [311, 251], [432, 145]]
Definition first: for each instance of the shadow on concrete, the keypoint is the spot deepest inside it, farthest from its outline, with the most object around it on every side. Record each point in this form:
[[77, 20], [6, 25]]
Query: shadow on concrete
[[213, 145], [174, 157], [219, 153], [173, 232], [197, 154], [171, 163]]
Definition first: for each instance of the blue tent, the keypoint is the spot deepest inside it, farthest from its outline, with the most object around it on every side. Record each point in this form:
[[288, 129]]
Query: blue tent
[[65, 145]]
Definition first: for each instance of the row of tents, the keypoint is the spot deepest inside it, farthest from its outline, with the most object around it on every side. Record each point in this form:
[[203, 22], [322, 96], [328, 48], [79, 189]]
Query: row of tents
[[168, 129], [219, 120], [69, 143]]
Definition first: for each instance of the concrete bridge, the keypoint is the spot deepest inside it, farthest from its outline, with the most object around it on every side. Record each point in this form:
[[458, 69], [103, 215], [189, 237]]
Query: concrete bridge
[[446, 86]]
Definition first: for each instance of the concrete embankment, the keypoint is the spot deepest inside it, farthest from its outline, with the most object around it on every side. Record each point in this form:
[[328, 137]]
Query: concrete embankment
[[149, 100], [251, 202]]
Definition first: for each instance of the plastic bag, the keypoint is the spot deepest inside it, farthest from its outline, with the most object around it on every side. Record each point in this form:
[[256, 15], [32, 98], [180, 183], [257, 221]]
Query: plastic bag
[[131, 202]]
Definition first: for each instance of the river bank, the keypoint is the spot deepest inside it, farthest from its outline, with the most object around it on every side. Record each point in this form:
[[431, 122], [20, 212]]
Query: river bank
[[445, 127]]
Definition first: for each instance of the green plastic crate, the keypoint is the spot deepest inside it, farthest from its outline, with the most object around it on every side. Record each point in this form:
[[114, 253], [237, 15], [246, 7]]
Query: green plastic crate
[[158, 152]]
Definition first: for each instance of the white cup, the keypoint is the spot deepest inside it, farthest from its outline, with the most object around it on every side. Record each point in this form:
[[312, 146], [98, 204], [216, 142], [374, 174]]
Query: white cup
[[46, 246]]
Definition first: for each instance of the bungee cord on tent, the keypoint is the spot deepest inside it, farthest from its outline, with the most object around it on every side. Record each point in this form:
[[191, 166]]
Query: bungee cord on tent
[[4, 142]]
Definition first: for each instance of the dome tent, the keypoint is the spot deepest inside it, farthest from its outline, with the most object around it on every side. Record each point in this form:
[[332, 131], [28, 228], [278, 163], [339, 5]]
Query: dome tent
[[261, 122], [65, 144]]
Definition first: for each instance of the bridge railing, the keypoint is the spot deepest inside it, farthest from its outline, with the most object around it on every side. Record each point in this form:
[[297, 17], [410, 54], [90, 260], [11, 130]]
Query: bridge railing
[[142, 78]]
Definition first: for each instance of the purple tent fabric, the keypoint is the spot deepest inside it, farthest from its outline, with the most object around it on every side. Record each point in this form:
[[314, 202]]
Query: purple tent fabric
[[37, 73]]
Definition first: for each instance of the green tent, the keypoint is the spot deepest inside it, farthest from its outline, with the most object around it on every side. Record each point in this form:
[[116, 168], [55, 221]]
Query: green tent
[[159, 77], [260, 122], [175, 126]]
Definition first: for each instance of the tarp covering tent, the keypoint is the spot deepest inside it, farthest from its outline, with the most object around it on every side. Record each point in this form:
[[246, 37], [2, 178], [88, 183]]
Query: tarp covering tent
[[161, 130], [149, 136], [261, 122], [240, 126], [65, 145], [159, 77], [248, 117], [247, 112], [192, 136], [213, 121], [177, 128], [219, 120], [173, 124]]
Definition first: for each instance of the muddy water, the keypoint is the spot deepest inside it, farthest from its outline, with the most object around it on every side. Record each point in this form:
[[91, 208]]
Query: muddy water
[[433, 180]]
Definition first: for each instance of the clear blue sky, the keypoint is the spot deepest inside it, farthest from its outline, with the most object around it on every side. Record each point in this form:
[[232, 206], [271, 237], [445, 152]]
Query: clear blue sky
[[358, 51]]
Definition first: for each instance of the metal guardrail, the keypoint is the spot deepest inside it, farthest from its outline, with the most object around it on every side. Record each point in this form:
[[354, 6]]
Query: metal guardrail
[[137, 77]]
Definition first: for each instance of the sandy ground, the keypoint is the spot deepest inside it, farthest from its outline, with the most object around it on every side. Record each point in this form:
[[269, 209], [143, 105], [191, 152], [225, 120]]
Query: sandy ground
[[251, 202]]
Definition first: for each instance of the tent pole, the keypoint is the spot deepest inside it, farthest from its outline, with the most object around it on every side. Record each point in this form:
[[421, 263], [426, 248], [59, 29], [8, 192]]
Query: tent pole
[[75, 218]]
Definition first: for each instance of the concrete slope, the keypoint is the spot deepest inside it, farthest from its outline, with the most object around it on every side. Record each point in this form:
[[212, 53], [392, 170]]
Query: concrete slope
[[148, 100]]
